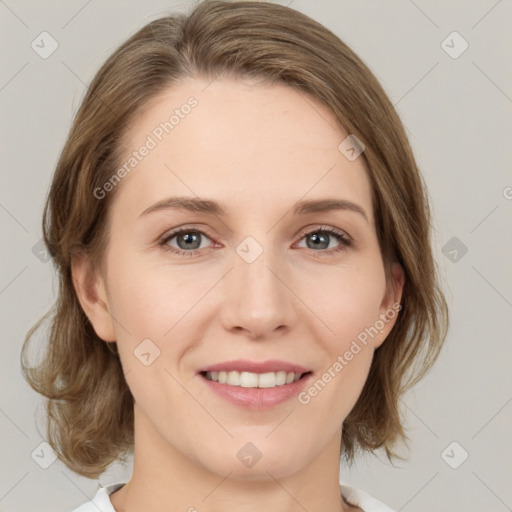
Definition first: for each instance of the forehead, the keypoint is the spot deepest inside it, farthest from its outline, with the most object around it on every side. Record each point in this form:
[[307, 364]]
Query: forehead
[[254, 146]]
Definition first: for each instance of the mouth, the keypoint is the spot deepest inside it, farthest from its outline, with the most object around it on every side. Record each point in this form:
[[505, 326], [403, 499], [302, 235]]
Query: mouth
[[255, 385], [254, 380]]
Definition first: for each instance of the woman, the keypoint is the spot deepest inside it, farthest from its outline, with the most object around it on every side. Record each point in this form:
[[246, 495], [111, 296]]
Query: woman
[[236, 370]]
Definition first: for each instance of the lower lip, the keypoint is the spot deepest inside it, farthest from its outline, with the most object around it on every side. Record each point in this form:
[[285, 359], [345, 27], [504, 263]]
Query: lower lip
[[257, 398]]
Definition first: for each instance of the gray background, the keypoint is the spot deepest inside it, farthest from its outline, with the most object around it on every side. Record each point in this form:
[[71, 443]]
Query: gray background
[[457, 114]]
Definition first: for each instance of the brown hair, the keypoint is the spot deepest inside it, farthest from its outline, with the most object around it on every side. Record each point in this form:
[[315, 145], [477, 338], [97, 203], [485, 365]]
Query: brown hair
[[89, 406]]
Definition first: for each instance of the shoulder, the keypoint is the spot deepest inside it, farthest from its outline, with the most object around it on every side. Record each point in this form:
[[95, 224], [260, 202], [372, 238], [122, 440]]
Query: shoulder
[[101, 500], [362, 499]]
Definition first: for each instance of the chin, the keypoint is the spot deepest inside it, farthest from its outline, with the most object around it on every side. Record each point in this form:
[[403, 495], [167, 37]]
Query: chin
[[258, 460]]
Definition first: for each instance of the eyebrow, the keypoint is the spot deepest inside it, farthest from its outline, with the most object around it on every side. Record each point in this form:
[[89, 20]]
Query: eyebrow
[[208, 206]]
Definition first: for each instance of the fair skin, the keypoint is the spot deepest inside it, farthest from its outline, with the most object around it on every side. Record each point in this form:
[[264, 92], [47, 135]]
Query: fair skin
[[257, 150]]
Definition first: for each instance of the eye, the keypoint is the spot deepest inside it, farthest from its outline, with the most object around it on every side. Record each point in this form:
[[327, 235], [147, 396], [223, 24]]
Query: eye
[[321, 237], [189, 240]]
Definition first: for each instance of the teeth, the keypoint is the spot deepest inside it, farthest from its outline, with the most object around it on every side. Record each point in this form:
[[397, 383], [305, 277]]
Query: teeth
[[254, 380]]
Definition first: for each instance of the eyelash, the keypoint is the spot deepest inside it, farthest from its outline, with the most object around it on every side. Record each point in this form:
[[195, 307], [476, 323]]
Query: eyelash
[[345, 240]]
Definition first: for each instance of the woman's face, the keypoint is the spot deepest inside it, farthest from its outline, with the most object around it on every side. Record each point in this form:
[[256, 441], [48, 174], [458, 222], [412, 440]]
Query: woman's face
[[258, 283]]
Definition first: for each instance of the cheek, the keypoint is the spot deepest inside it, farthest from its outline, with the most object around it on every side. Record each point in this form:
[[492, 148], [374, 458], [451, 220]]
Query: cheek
[[347, 305], [347, 301], [148, 298], [158, 303], [350, 312]]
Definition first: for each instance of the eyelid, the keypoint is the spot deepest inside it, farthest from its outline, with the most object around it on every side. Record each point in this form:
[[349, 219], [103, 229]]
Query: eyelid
[[324, 227], [303, 231], [176, 231]]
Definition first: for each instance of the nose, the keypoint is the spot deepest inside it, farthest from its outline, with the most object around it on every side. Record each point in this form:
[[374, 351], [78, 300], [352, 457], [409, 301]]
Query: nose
[[258, 299]]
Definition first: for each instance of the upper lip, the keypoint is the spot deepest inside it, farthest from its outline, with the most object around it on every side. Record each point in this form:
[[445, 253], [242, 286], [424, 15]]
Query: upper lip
[[244, 365]]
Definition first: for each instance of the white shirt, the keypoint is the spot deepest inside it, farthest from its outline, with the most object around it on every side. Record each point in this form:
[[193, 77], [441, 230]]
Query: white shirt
[[357, 497]]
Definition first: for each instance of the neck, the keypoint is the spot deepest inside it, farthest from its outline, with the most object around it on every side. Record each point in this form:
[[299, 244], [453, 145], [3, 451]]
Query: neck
[[165, 479]]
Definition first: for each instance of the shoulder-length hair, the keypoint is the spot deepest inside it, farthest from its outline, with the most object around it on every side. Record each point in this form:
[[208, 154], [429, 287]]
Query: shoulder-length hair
[[89, 405]]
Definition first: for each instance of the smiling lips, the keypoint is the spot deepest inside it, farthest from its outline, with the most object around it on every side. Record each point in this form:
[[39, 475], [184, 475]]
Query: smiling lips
[[253, 374], [254, 380], [256, 385]]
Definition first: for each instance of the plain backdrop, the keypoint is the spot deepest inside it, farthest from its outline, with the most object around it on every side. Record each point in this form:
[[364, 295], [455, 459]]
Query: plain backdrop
[[456, 106]]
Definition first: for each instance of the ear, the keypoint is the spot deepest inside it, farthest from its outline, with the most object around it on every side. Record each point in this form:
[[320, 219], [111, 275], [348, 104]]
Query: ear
[[91, 292], [390, 306]]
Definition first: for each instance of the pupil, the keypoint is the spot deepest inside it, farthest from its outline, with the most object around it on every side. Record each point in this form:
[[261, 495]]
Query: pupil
[[319, 238], [190, 238]]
